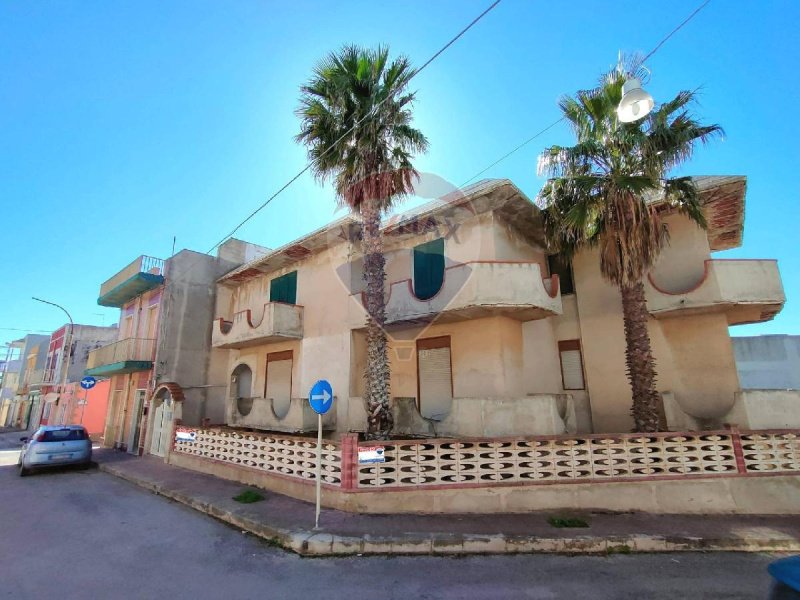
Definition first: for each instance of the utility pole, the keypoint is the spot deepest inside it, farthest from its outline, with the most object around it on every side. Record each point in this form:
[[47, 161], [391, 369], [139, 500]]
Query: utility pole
[[65, 349]]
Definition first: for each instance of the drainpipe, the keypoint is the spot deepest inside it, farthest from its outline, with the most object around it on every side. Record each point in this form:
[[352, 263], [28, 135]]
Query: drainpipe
[[65, 348]]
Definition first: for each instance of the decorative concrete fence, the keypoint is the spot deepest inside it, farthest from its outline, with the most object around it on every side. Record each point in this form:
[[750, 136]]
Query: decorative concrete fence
[[293, 457], [580, 459], [446, 463]]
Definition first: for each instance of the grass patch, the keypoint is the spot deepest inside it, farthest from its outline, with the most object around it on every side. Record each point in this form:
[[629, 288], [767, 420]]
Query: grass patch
[[623, 549], [567, 522], [248, 497]]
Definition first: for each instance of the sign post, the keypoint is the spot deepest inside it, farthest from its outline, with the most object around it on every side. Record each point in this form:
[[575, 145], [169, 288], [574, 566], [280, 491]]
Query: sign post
[[321, 399], [87, 383]]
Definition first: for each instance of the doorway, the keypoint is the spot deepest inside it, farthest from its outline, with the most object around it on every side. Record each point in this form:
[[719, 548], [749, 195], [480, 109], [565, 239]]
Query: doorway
[[278, 387], [136, 422], [162, 423]]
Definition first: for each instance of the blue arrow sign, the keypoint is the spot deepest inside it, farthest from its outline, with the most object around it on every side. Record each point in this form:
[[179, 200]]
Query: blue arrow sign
[[321, 397], [88, 382]]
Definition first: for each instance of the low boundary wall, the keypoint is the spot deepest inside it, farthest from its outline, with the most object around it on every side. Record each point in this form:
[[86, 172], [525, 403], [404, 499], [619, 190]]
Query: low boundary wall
[[753, 472]]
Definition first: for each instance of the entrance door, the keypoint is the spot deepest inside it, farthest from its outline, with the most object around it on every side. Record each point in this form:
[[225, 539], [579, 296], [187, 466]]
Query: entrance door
[[162, 425], [278, 388], [136, 422]]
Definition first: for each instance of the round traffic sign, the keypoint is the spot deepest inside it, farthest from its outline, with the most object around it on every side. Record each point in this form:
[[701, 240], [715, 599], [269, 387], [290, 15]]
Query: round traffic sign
[[321, 397], [88, 382]]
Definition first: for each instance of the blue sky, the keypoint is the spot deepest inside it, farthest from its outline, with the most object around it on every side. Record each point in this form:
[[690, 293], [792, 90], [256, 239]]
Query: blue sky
[[123, 124]]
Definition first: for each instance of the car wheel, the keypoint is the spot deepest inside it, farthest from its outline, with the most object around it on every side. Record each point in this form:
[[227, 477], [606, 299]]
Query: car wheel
[[23, 471]]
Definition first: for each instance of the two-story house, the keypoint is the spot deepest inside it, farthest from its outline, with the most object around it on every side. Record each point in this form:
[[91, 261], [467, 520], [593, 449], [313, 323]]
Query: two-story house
[[163, 346], [488, 334], [67, 354]]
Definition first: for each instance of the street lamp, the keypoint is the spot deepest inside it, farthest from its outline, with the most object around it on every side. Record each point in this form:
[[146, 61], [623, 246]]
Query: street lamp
[[636, 103], [67, 345]]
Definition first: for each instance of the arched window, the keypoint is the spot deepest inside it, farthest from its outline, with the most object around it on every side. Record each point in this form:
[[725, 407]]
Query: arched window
[[242, 389], [428, 269]]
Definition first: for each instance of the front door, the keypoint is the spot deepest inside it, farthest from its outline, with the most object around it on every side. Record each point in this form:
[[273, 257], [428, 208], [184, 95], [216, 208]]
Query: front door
[[136, 422], [162, 425]]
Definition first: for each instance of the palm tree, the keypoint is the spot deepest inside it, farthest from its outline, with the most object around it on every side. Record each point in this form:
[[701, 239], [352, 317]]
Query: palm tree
[[356, 119], [609, 192]]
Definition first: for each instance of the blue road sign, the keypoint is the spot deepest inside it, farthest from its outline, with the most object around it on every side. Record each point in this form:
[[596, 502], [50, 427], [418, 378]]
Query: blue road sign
[[321, 397], [88, 382]]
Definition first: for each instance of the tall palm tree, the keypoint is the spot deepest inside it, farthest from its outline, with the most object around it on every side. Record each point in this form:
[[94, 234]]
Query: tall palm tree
[[609, 191], [356, 119]]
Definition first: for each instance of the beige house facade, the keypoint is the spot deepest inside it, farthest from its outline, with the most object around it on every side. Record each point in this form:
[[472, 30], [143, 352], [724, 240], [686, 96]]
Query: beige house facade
[[488, 335]]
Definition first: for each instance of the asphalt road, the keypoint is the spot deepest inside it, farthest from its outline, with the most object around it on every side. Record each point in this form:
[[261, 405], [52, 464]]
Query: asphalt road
[[86, 534]]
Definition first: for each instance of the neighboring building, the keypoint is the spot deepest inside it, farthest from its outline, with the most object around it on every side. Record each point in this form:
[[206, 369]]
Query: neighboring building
[[768, 362], [23, 388], [162, 352], [488, 335], [67, 354], [11, 369]]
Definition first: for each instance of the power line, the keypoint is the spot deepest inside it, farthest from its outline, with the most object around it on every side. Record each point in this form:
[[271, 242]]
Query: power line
[[554, 123], [359, 122]]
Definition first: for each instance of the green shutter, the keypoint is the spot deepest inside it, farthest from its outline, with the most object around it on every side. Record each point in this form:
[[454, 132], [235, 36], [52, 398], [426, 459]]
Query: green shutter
[[428, 269], [284, 288]]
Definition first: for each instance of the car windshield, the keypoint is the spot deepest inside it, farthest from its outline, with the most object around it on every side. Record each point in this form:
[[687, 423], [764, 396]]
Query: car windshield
[[63, 435]]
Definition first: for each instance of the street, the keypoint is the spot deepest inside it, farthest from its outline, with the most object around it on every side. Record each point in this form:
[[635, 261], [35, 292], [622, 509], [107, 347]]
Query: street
[[82, 534]]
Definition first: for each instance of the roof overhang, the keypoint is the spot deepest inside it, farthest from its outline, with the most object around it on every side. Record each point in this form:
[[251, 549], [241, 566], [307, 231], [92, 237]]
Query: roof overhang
[[500, 196], [723, 202]]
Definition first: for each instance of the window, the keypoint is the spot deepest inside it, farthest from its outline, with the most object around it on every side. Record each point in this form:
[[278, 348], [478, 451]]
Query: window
[[434, 377], [284, 288], [560, 266], [428, 269], [278, 384], [242, 388], [569, 352], [63, 435]]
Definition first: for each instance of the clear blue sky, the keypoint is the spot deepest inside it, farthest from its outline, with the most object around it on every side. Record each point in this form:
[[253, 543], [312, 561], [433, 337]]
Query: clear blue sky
[[125, 123]]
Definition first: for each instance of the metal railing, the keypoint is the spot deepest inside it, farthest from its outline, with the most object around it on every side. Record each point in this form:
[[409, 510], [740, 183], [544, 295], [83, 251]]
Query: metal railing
[[143, 264], [141, 349]]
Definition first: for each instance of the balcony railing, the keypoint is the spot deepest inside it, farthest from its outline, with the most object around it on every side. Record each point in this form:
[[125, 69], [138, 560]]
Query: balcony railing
[[747, 291], [130, 354], [144, 273], [279, 322], [470, 291]]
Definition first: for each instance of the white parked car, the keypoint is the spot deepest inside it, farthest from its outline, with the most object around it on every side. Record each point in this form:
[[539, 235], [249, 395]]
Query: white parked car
[[54, 445]]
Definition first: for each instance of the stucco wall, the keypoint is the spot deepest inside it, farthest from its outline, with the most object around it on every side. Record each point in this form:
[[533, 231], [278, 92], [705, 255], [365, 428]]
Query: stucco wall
[[768, 361], [694, 355], [766, 409]]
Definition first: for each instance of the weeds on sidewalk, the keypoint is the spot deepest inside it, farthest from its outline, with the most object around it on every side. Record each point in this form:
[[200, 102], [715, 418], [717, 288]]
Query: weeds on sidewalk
[[567, 522], [248, 497]]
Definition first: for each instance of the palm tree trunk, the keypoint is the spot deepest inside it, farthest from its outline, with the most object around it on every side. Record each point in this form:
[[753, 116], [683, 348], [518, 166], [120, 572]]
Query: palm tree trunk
[[379, 417], [639, 358]]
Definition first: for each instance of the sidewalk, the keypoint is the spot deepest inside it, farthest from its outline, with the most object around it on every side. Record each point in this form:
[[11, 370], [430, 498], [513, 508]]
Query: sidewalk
[[289, 523]]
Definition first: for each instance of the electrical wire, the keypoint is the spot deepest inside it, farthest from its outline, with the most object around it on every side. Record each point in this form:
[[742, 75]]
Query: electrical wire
[[359, 122], [554, 123]]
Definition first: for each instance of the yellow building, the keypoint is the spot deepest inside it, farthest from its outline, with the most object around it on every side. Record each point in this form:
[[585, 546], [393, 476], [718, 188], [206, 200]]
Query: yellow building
[[488, 335]]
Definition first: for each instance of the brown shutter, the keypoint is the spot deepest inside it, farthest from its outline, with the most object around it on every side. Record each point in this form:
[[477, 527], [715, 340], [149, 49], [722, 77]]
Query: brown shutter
[[434, 376], [571, 365]]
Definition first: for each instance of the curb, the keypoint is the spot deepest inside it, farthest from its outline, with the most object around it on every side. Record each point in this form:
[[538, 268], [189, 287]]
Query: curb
[[311, 543]]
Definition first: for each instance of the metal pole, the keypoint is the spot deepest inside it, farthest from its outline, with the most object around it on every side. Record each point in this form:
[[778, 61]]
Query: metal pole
[[319, 468], [66, 348], [85, 400]]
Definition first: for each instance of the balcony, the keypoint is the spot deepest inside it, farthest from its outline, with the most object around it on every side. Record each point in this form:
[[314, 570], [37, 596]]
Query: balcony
[[32, 381], [125, 356], [279, 322], [471, 291], [12, 366], [143, 274], [747, 291]]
